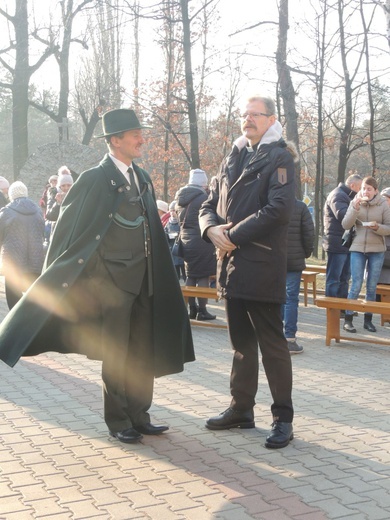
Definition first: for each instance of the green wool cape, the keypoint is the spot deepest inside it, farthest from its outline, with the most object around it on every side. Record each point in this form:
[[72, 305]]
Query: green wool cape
[[40, 320]]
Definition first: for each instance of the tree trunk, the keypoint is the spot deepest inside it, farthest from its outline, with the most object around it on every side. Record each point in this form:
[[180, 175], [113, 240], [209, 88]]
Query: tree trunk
[[191, 102], [287, 89], [20, 84], [345, 137]]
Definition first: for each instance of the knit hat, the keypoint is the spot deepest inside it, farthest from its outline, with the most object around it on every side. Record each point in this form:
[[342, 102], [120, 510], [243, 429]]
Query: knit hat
[[198, 177], [64, 179], [53, 178], [162, 205], [172, 205], [4, 184], [386, 192], [17, 190], [63, 170]]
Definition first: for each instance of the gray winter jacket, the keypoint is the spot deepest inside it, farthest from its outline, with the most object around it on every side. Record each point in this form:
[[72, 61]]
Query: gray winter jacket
[[21, 236]]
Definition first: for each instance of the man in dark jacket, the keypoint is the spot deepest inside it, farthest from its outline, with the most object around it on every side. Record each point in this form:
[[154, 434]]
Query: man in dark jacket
[[300, 243], [338, 270], [109, 289], [246, 217]]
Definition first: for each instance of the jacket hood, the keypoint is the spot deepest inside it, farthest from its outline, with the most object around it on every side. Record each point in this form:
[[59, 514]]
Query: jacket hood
[[24, 206], [188, 193], [272, 135]]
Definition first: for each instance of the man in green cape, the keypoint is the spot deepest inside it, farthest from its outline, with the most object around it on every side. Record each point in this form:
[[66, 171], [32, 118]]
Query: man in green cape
[[108, 288]]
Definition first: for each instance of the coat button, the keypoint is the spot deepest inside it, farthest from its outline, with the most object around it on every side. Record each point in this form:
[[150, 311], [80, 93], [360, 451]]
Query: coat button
[[65, 285], [80, 260], [97, 237]]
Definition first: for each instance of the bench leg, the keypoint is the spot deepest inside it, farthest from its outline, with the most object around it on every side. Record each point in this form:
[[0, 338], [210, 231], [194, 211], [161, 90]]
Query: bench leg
[[305, 292], [332, 326]]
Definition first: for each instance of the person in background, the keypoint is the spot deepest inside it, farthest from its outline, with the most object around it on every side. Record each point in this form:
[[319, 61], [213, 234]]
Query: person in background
[[64, 183], [300, 244], [369, 212], [385, 272], [199, 256], [246, 218], [4, 185], [172, 229], [108, 288], [338, 270], [163, 211], [50, 189], [21, 242]]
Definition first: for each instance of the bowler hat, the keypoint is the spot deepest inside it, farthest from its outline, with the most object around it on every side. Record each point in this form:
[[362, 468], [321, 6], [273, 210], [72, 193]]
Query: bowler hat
[[119, 120]]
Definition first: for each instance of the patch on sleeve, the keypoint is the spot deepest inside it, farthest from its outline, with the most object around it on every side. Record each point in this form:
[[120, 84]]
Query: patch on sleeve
[[282, 175]]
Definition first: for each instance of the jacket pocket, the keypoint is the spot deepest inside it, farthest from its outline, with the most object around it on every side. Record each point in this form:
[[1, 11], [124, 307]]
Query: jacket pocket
[[255, 251]]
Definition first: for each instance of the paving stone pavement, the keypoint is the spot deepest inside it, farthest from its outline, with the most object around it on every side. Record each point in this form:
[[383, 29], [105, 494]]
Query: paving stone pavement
[[57, 460]]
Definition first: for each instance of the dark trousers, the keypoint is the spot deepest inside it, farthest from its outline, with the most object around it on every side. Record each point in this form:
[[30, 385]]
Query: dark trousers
[[338, 274], [124, 335], [252, 325]]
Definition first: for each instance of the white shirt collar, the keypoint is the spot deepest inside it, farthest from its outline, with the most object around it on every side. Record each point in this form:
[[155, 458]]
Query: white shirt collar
[[122, 167]]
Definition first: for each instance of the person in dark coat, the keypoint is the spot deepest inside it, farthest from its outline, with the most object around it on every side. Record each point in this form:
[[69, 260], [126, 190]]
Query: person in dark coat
[[172, 230], [338, 269], [50, 188], [246, 217], [4, 185], [64, 183], [109, 289], [21, 241], [199, 256], [300, 244]]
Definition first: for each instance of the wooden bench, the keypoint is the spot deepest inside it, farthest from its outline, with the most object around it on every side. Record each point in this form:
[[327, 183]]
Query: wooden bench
[[307, 278], [320, 269], [384, 292], [202, 292], [333, 307]]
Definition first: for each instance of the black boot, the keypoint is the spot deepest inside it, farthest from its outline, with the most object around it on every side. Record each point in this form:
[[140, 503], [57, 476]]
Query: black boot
[[204, 315], [348, 325], [368, 322], [193, 312]]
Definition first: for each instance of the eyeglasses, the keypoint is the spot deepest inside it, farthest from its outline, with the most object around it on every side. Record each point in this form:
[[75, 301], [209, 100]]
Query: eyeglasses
[[254, 115]]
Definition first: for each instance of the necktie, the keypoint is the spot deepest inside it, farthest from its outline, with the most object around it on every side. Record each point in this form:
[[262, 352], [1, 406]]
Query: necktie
[[133, 186]]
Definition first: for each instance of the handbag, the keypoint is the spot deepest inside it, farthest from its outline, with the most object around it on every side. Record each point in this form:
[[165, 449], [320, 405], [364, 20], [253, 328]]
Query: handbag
[[348, 236], [178, 248]]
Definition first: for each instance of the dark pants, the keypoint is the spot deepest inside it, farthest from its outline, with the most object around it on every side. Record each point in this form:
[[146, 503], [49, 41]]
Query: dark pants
[[125, 338], [338, 273], [198, 282], [252, 325]]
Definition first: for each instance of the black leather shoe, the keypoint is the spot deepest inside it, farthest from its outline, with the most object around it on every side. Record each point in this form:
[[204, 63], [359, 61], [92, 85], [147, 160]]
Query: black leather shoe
[[128, 436], [231, 419], [205, 315], [150, 429], [368, 325], [281, 434]]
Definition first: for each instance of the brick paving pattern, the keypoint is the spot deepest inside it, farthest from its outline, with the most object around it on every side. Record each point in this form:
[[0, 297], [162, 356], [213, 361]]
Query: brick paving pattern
[[57, 460]]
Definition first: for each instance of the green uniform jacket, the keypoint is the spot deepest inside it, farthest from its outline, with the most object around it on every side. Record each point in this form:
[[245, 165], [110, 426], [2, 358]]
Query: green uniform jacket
[[32, 326]]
